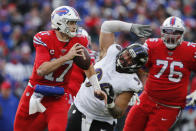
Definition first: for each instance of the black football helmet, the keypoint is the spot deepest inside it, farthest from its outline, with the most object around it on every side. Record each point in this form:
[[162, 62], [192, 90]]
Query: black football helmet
[[131, 58]]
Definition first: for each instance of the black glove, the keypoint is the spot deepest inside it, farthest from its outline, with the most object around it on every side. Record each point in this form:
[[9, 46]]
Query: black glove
[[108, 89]]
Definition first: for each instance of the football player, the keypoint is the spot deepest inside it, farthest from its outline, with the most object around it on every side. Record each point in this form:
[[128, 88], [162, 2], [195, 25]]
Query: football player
[[77, 76], [117, 77], [171, 59], [44, 102]]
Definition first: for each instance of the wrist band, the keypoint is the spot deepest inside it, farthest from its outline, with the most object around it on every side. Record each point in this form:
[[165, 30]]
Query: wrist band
[[94, 82], [111, 105]]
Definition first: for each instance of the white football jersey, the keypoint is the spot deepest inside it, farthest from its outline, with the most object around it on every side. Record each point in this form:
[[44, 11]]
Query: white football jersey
[[91, 106]]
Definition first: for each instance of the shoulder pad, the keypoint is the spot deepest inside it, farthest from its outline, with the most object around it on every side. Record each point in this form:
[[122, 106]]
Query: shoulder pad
[[191, 44], [40, 38], [79, 39]]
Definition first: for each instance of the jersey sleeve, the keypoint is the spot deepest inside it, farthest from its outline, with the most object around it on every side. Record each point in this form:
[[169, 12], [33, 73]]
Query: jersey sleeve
[[135, 84], [42, 51], [93, 55], [149, 43], [113, 50], [40, 39], [192, 49], [194, 61], [130, 82]]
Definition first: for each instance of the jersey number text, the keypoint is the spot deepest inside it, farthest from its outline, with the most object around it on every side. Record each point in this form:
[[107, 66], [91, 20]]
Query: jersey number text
[[171, 68]]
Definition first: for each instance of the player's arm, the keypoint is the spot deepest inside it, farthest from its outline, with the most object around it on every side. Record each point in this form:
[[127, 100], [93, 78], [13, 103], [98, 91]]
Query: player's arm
[[108, 28], [92, 76], [118, 106], [142, 74], [50, 66], [121, 104]]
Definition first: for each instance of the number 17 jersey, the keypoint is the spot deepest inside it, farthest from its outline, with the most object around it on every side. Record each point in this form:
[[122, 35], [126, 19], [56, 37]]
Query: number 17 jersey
[[169, 71], [49, 48]]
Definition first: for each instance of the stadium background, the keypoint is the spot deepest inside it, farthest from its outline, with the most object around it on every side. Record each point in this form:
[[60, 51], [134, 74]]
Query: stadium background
[[20, 20]]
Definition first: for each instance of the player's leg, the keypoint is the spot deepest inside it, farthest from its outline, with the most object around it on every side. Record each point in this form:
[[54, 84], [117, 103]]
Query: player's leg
[[101, 126], [23, 121], [136, 120], [138, 115], [162, 119], [22, 118], [57, 111], [39, 124], [74, 119]]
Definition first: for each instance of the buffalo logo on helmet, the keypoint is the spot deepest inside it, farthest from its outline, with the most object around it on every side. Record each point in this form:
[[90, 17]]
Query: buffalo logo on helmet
[[62, 11]]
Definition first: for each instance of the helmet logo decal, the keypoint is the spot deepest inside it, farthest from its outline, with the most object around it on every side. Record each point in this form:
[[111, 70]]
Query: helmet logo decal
[[62, 11], [172, 21]]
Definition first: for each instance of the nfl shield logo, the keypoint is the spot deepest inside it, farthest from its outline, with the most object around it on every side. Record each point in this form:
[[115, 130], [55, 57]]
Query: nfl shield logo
[[63, 51], [170, 53]]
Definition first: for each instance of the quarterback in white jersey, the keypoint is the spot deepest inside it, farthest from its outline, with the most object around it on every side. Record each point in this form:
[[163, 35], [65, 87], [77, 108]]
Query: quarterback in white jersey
[[117, 77]]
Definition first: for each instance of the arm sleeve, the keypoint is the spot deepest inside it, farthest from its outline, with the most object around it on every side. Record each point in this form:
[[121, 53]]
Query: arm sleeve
[[115, 26], [42, 51], [147, 47], [42, 55]]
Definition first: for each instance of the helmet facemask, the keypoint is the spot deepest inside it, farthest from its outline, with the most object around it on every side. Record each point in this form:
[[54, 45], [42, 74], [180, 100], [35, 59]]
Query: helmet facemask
[[172, 32], [66, 28], [172, 37]]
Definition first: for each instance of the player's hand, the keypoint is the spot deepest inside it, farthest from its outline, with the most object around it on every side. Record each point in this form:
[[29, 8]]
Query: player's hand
[[191, 96], [108, 89], [76, 50], [141, 30], [134, 99], [100, 95]]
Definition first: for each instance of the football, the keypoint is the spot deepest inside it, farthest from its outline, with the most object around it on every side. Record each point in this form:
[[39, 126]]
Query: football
[[83, 61]]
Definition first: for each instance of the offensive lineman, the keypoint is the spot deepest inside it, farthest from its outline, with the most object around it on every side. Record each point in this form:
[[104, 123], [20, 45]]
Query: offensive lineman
[[164, 94]]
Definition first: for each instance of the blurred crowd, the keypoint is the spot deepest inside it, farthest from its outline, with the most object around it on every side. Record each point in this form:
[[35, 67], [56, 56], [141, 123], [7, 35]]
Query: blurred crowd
[[20, 20]]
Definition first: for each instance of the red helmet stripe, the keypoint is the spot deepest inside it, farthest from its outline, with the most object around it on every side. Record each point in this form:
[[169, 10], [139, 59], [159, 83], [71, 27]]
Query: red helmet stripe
[[173, 20]]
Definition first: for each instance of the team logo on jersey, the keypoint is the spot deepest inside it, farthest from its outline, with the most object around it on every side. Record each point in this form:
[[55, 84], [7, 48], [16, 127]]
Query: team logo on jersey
[[63, 51], [170, 53], [52, 52]]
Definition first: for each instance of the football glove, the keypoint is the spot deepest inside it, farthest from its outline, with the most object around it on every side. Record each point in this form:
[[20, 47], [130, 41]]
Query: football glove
[[191, 96], [108, 89], [141, 30]]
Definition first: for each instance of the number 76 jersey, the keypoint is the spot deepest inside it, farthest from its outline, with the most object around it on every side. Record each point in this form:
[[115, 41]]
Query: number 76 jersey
[[169, 71]]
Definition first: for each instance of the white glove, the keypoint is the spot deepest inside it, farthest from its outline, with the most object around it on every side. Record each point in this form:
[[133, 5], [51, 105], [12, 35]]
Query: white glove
[[191, 96], [141, 30], [134, 99], [35, 103]]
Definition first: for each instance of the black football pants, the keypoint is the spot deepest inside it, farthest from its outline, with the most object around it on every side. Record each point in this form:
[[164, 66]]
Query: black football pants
[[75, 122]]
